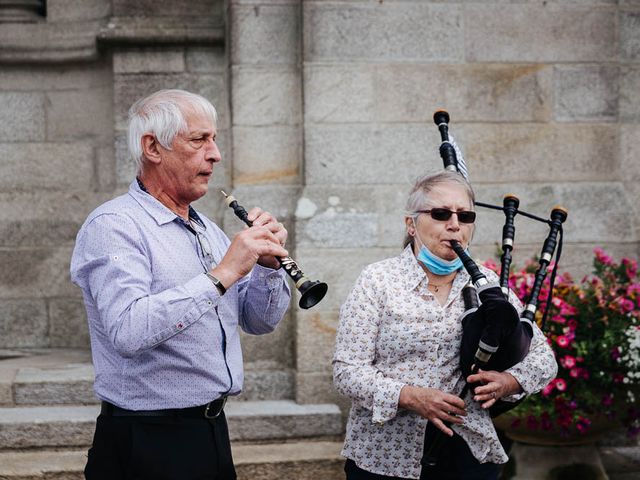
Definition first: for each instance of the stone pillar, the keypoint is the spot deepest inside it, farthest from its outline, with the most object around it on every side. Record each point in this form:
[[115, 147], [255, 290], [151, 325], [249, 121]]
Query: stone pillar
[[266, 108], [158, 45]]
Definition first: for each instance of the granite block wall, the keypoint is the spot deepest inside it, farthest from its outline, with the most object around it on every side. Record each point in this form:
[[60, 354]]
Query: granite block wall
[[325, 119]]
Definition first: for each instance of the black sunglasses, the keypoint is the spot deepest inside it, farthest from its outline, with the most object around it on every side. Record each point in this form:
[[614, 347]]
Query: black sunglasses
[[444, 214]]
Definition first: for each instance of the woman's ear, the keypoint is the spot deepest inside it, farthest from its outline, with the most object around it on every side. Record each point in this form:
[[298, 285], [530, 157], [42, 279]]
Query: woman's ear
[[411, 226]]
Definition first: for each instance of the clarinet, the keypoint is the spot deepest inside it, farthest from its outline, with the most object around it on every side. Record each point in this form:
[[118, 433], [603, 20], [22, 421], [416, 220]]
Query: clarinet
[[447, 152], [558, 216], [311, 291], [510, 208]]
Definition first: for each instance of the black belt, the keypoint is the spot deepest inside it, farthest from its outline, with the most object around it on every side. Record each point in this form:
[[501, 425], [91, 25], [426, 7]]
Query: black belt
[[210, 410]]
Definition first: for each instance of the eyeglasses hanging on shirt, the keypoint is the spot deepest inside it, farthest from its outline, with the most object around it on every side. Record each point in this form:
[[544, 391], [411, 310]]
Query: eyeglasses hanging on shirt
[[194, 224], [205, 251]]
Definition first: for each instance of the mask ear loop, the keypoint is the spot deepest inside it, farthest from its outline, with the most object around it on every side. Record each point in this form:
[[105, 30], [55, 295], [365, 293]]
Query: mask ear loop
[[417, 235]]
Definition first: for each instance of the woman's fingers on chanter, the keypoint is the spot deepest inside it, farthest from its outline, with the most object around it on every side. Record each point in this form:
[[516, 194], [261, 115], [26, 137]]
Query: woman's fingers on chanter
[[440, 424]]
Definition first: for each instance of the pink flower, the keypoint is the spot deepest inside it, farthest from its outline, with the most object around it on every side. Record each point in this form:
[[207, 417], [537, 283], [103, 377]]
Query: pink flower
[[574, 372], [491, 264], [546, 391], [627, 305], [560, 384], [631, 265], [633, 289], [563, 341], [583, 424], [602, 257], [558, 319], [568, 361], [572, 324], [532, 422]]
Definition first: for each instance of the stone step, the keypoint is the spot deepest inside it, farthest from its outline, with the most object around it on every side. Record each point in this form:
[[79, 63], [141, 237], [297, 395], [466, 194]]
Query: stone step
[[65, 377], [281, 461], [70, 384], [71, 426]]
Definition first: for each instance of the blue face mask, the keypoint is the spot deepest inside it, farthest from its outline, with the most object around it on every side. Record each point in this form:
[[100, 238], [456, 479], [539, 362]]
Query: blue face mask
[[437, 265]]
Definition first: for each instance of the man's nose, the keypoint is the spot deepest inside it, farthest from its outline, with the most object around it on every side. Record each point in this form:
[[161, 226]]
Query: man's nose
[[213, 152]]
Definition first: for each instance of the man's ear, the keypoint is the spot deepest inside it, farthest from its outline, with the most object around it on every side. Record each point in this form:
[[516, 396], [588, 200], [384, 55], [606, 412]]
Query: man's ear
[[150, 148]]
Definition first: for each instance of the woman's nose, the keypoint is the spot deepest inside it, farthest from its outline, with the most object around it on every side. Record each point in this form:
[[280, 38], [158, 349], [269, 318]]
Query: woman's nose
[[453, 223]]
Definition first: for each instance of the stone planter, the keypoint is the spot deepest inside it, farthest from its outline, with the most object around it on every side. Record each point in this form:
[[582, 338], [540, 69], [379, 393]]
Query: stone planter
[[522, 434], [548, 455]]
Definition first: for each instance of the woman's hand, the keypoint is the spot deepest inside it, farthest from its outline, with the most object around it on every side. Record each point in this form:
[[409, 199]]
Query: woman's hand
[[434, 405], [495, 385]]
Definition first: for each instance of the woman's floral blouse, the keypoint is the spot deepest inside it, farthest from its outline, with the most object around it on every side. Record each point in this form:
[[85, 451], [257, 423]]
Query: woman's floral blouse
[[393, 332]]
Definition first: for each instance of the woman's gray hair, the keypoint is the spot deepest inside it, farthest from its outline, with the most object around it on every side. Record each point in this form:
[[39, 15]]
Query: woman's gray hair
[[162, 114], [419, 194]]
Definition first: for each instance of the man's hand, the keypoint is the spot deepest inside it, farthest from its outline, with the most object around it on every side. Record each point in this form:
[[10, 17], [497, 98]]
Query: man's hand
[[248, 247], [434, 405], [265, 219], [495, 385]]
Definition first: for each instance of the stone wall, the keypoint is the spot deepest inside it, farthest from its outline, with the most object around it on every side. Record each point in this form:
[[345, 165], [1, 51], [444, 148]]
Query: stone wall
[[543, 98], [325, 119]]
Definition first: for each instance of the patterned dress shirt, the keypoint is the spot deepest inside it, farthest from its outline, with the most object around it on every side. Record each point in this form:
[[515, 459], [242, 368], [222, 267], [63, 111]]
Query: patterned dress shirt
[[161, 334], [393, 332]]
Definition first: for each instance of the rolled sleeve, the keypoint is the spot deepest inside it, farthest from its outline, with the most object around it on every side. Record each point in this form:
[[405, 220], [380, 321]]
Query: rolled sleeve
[[264, 296]]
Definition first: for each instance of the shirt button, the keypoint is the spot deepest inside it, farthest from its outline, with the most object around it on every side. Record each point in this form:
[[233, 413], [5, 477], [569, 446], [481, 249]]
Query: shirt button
[[209, 302], [180, 326]]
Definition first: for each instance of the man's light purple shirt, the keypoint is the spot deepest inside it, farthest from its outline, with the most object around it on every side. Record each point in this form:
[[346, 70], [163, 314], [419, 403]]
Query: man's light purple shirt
[[161, 334]]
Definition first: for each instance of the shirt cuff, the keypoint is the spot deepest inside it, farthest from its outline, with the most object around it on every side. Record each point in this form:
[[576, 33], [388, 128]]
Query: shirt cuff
[[203, 291], [385, 399], [520, 379], [268, 276]]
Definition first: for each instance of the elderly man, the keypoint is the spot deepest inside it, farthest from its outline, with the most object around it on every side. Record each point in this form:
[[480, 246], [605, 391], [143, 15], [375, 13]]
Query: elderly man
[[165, 292]]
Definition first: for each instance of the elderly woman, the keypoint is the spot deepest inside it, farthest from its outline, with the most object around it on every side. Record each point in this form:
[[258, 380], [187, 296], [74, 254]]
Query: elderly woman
[[398, 349]]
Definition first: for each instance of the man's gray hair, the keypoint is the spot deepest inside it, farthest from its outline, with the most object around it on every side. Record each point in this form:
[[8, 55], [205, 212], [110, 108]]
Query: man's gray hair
[[162, 114], [419, 194]]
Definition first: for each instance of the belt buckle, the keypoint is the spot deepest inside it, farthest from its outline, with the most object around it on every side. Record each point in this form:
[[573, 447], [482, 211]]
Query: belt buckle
[[208, 414]]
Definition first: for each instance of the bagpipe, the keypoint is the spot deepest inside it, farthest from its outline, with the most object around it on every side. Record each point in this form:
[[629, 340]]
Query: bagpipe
[[495, 336]]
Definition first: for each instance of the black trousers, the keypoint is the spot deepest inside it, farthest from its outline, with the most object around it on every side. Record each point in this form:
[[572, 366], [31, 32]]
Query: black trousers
[[455, 463], [160, 448]]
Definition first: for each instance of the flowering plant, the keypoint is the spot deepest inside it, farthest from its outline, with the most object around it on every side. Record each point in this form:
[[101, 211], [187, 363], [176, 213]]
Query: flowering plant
[[594, 329]]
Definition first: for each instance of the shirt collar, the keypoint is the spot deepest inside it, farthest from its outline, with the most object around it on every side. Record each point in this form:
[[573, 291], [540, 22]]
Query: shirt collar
[[414, 274], [159, 212]]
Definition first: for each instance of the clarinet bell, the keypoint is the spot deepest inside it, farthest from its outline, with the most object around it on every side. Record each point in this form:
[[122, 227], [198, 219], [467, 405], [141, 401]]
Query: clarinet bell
[[312, 293]]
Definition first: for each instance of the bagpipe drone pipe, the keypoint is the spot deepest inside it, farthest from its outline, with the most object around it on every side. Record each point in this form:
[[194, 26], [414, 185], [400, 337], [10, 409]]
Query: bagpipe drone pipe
[[495, 336]]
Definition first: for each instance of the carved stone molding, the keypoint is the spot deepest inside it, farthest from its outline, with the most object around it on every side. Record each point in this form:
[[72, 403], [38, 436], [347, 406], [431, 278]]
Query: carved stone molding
[[149, 31], [21, 11]]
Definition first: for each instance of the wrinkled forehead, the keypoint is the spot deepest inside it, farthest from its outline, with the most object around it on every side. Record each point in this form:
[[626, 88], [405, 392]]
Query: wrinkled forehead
[[198, 119], [449, 195]]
